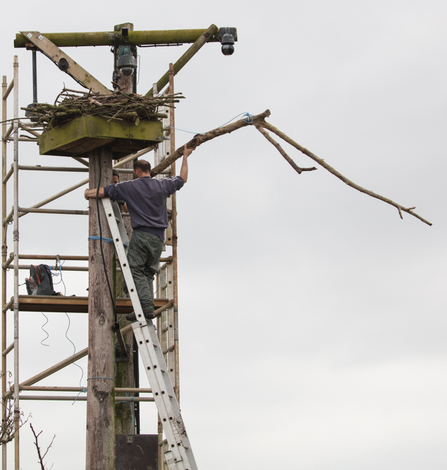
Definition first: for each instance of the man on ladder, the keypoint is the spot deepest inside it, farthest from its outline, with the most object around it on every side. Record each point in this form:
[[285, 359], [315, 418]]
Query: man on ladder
[[146, 202]]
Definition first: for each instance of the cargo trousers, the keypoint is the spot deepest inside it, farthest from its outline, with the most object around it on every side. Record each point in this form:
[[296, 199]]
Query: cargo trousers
[[143, 256]]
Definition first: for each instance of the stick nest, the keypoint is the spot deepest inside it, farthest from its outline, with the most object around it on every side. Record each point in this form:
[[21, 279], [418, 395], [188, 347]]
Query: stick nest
[[117, 106]]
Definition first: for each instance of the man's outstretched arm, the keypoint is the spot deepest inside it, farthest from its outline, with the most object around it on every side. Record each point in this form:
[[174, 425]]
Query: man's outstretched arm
[[88, 193], [184, 169]]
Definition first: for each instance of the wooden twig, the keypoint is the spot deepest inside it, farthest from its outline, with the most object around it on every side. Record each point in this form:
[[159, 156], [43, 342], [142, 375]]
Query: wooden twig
[[36, 443], [298, 169], [11, 421], [320, 161], [70, 104]]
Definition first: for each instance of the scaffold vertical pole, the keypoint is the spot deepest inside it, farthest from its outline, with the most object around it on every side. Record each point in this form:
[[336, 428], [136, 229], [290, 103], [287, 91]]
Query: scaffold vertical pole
[[16, 266], [4, 255]]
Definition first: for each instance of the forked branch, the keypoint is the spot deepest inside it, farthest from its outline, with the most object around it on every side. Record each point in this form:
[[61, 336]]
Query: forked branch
[[260, 123], [320, 161], [298, 169], [39, 452]]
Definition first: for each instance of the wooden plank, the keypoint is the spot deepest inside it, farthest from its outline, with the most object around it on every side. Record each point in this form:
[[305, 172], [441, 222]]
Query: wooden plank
[[54, 303]]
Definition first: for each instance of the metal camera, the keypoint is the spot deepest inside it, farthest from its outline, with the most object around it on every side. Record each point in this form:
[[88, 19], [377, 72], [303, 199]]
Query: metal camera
[[227, 37], [126, 62]]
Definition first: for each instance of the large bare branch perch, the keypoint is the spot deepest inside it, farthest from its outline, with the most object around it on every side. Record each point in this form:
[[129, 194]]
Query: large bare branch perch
[[259, 122]]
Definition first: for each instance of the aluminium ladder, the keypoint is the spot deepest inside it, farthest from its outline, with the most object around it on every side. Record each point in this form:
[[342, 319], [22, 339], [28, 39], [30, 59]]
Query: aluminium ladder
[[179, 455]]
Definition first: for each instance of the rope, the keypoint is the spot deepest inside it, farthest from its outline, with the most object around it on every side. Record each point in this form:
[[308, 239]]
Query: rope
[[249, 120], [84, 390], [44, 330], [184, 130], [74, 348], [109, 240], [59, 273]]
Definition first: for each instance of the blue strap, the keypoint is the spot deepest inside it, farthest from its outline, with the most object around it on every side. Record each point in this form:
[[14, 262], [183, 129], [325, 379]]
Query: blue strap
[[110, 240], [84, 390], [249, 118]]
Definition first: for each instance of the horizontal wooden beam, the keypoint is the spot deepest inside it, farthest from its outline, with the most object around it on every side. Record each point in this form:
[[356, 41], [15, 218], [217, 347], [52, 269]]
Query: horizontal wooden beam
[[80, 398], [113, 38]]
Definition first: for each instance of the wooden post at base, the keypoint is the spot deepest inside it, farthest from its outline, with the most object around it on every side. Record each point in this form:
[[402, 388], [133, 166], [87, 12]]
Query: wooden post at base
[[101, 369]]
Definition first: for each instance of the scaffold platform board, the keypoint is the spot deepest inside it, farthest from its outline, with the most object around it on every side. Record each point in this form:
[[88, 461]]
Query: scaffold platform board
[[72, 304]]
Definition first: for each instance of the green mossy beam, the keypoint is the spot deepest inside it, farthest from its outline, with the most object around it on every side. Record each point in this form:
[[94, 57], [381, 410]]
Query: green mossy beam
[[112, 38]]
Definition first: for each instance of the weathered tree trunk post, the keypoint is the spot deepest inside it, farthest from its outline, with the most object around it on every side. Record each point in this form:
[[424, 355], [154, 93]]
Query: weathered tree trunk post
[[101, 370]]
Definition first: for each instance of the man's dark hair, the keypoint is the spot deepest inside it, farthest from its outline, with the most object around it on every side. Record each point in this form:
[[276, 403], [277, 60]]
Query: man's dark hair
[[143, 165], [115, 173]]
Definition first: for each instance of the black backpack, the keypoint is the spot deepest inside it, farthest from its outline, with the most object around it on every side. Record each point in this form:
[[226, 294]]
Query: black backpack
[[40, 281]]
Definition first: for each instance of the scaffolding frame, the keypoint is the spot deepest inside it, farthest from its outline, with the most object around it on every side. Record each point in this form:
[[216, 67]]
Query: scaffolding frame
[[167, 279]]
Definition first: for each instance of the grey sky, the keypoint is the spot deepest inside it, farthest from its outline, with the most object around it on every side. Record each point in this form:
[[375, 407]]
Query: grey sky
[[312, 316]]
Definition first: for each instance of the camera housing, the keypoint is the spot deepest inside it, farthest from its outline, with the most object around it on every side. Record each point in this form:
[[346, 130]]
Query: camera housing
[[227, 37]]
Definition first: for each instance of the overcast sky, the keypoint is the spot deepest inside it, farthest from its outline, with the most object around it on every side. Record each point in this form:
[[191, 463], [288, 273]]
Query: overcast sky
[[312, 318]]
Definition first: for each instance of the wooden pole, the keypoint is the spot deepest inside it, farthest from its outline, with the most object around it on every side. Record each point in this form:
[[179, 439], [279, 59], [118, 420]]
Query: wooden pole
[[101, 373], [16, 267], [174, 246]]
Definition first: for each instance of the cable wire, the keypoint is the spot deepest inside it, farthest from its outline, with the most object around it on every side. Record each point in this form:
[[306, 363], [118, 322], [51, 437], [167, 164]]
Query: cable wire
[[74, 348], [45, 331]]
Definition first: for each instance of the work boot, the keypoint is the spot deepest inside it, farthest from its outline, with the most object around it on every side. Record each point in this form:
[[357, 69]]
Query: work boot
[[132, 317]]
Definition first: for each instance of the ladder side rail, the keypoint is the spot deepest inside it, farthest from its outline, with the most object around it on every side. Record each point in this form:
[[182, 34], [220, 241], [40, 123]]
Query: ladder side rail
[[166, 400], [160, 393], [162, 322], [170, 327], [121, 227]]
